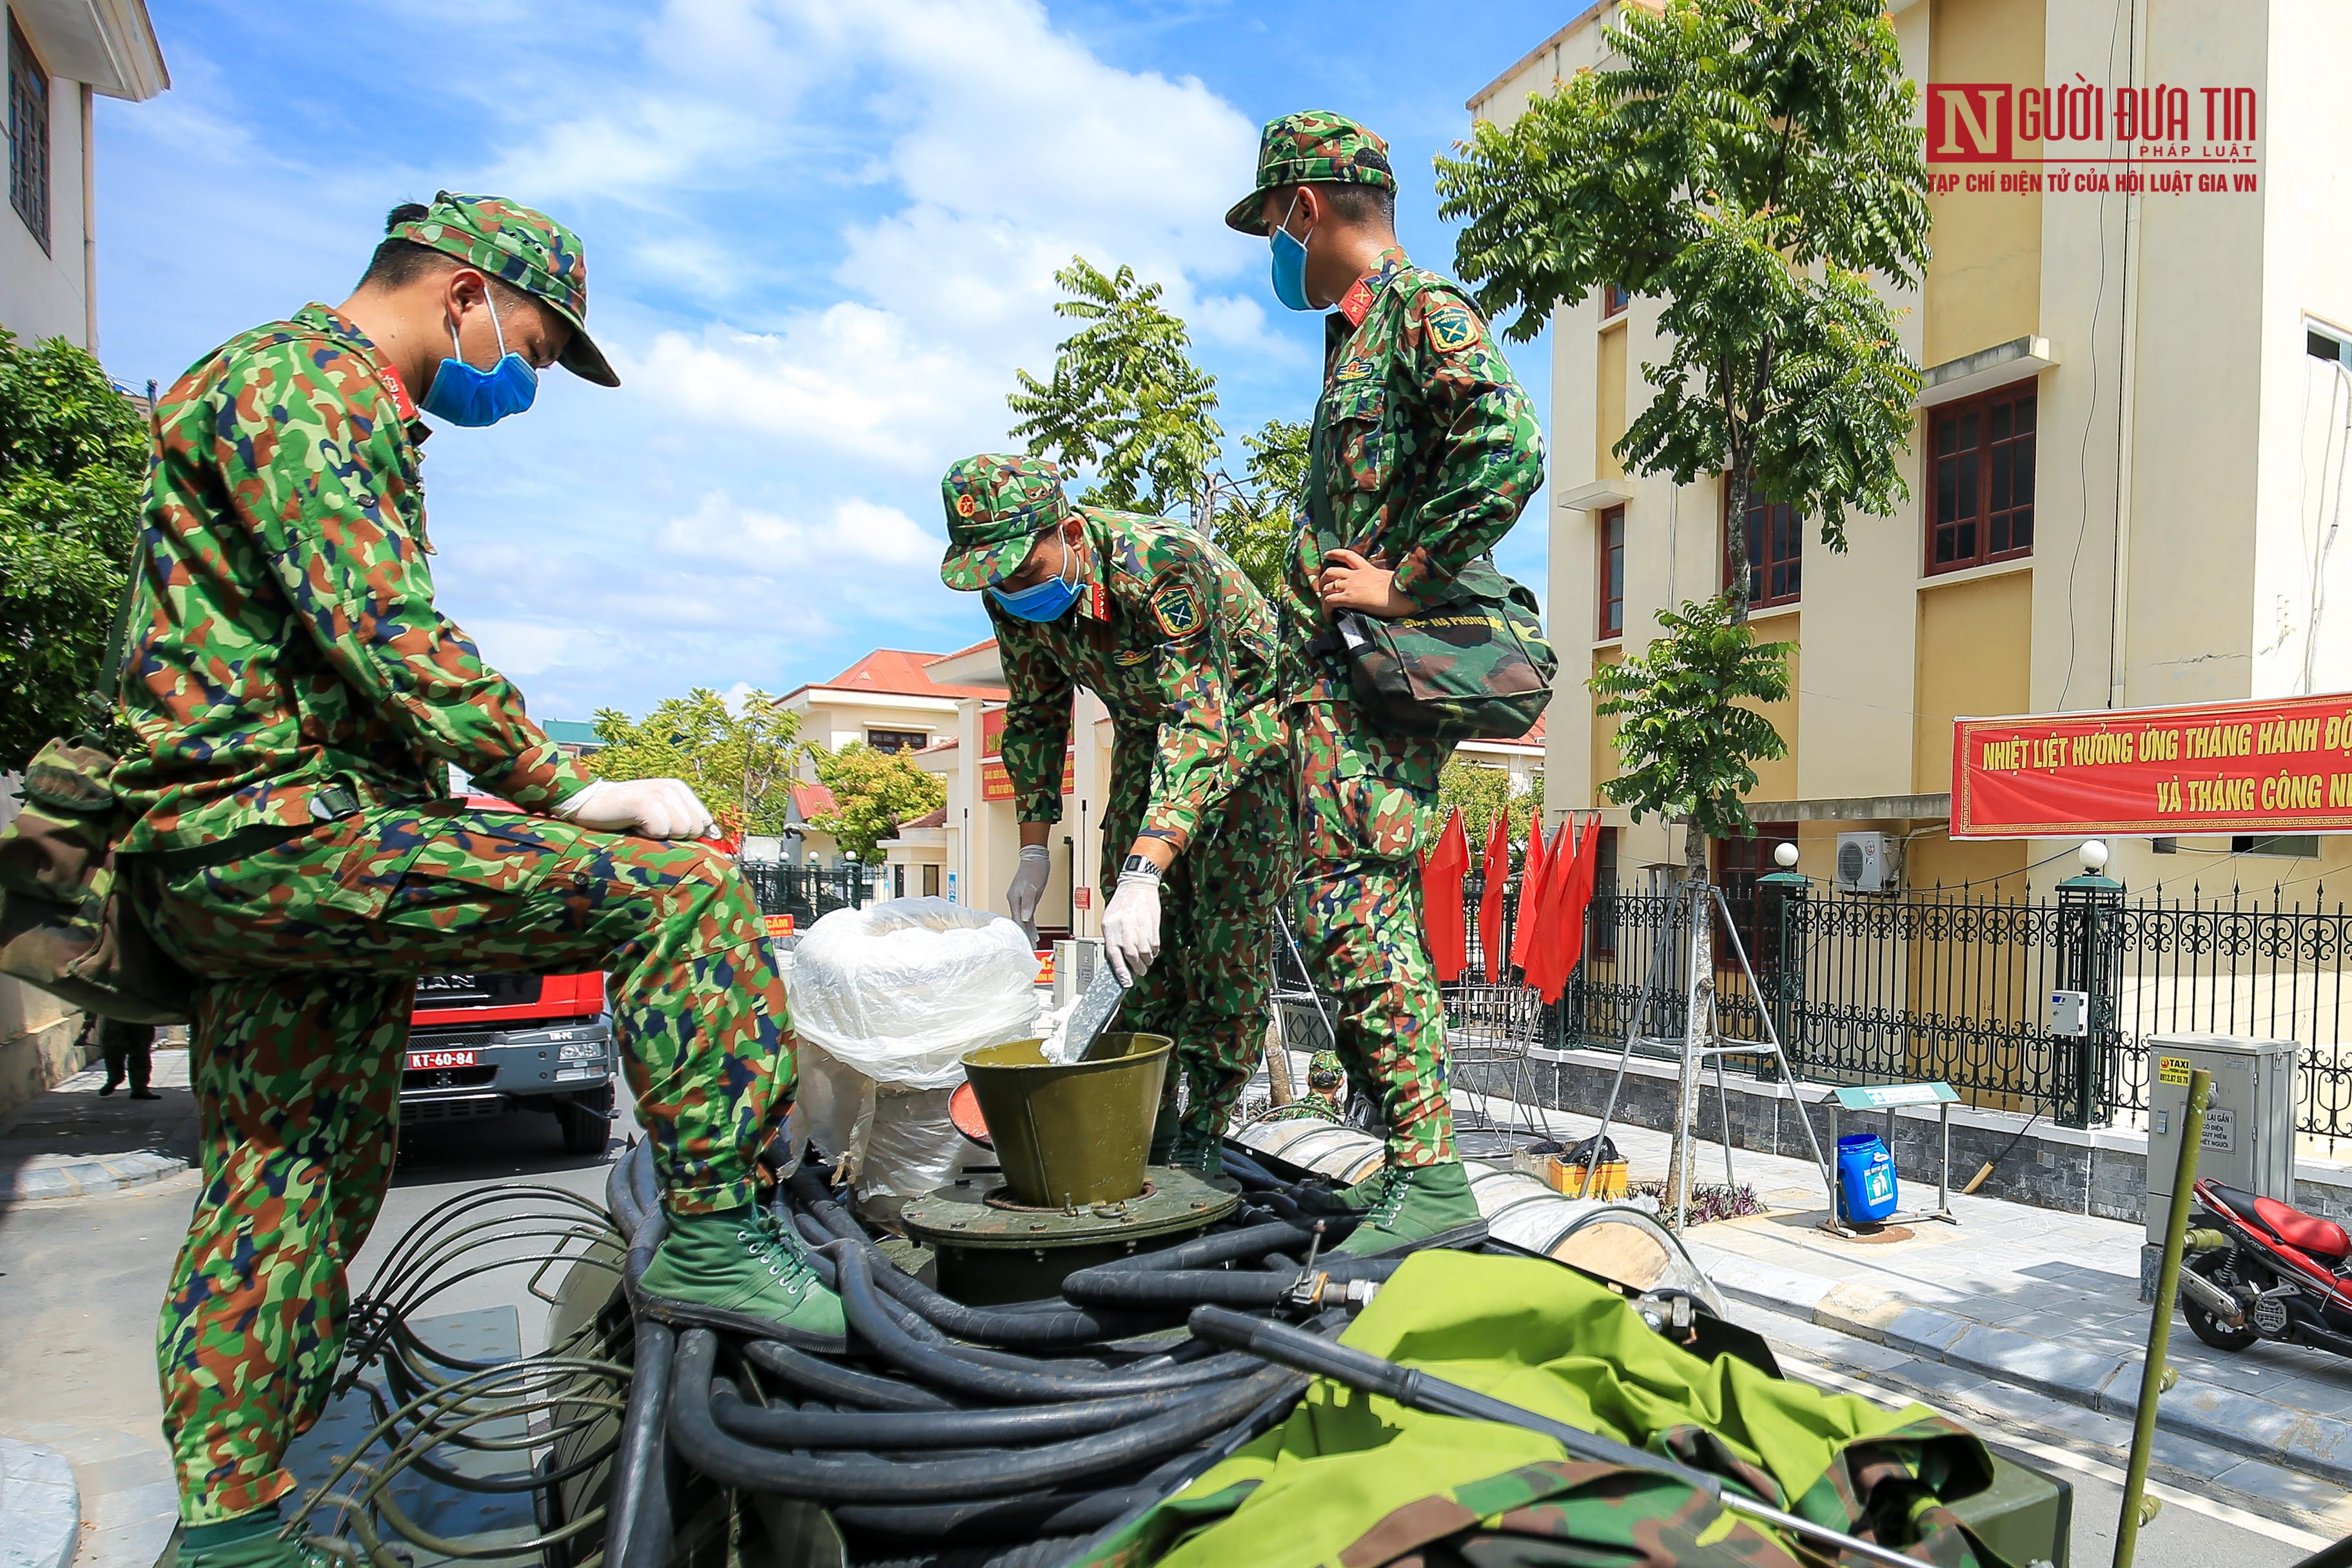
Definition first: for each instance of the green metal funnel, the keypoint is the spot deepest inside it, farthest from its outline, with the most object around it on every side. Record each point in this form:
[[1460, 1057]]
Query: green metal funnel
[[1071, 1132]]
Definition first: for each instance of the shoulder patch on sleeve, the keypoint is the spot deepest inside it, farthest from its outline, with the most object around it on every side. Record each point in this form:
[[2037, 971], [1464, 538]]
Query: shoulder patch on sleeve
[[1453, 327], [1178, 609]]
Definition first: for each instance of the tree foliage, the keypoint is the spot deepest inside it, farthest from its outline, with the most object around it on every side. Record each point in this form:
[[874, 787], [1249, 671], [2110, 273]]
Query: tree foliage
[[1751, 163], [1124, 398], [1685, 737], [873, 791], [1127, 401], [1480, 793], [741, 762], [73, 454]]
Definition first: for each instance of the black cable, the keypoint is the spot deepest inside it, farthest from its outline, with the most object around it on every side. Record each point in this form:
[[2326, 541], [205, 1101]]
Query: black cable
[[786, 1427], [732, 1462]]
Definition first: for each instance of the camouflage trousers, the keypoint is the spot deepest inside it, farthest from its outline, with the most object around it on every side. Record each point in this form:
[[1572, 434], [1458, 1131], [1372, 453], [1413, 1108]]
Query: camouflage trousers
[[1366, 803], [307, 954], [1207, 989]]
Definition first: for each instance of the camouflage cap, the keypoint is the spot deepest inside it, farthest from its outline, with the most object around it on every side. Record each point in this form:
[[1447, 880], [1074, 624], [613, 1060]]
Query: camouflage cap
[[997, 504], [1316, 147], [522, 246], [1324, 1070]]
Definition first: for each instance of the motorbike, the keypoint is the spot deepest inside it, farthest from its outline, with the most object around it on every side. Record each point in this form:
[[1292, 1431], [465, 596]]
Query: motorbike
[[2265, 1271]]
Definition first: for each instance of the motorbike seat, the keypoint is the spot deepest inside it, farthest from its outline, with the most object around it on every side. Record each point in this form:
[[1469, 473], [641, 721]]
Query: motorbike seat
[[2320, 1237]]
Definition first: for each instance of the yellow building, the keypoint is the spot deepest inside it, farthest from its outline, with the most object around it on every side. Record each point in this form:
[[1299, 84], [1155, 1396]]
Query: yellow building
[[2127, 463]]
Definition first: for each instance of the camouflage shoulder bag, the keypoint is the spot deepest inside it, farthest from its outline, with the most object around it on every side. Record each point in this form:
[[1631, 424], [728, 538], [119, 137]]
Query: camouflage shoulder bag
[[1471, 666], [68, 922]]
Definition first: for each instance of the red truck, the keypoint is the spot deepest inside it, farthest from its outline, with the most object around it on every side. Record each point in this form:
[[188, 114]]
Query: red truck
[[481, 1044]]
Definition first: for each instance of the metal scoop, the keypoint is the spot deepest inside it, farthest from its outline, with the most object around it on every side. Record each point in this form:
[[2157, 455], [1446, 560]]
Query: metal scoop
[[1096, 1007]]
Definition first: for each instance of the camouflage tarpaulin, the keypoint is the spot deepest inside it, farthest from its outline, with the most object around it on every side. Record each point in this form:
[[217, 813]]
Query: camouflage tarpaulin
[[1356, 1479]]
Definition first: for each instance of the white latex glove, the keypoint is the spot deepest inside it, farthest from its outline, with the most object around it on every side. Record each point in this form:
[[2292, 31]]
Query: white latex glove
[[650, 808], [1131, 925], [1028, 887]]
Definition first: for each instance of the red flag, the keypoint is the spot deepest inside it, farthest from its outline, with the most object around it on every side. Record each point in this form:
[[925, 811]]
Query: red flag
[[1496, 870], [1580, 898], [1441, 899], [1523, 929], [1544, 972]]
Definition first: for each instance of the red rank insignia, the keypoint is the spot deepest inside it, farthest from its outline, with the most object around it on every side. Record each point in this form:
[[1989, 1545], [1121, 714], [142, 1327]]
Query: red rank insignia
[[1357, 302], [399, 390], [1096, 604]]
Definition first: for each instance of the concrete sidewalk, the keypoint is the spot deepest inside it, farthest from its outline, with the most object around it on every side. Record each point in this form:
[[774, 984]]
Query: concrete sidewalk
[[2038, 1300], [68, 1142]]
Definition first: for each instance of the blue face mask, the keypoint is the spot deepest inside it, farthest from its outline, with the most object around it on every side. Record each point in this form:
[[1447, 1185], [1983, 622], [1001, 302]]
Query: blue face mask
[[1289, 264], [464, 395], [1049, 600]]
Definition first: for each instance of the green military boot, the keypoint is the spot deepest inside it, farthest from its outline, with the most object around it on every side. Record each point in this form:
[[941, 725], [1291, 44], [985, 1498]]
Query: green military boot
[[744, 1271], [1202, 1154], [264, 1551], [1319, 1197], [1425, 1206]]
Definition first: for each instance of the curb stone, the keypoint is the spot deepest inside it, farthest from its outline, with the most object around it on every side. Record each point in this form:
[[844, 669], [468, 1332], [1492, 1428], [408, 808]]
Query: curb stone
[[2226, 1418], [80, 1178], [40, 1511]]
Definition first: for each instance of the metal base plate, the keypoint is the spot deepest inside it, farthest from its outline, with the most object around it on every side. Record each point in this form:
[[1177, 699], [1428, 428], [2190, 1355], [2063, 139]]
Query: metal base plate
[[987, 1254], [970, 1215]]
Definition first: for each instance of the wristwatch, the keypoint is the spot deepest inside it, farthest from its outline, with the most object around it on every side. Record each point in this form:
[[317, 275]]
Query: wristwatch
[[1139, 866]]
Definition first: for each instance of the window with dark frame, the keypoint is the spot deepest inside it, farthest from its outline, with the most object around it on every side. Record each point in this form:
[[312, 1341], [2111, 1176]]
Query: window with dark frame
[[1980, 489], [1776, 555], [897, 740], [1739, 865], [1601, 934], [28, 136], [1613, 301], [1611, 576]]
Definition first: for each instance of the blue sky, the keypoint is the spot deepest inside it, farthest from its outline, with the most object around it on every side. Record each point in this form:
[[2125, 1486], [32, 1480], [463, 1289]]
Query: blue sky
[[821, 236]]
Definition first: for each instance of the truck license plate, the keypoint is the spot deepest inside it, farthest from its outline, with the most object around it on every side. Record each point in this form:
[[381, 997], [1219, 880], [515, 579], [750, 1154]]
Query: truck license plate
[[425, 1061]]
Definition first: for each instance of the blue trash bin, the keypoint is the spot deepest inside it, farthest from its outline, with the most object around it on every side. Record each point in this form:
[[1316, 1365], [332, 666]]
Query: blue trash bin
[[1865, 1179]]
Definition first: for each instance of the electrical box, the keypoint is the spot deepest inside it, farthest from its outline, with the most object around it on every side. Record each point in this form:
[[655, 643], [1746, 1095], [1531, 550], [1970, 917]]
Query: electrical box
[[2070, 1014], [1074, 960], [1869, 862], [2249, 1123]]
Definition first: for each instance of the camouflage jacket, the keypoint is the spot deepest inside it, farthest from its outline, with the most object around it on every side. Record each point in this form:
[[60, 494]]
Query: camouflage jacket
[[1429, 447], [1179, 645], [282, 637]]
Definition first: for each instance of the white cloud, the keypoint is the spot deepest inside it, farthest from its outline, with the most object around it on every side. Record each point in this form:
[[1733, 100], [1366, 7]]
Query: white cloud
[[850, 379], [853, 538]]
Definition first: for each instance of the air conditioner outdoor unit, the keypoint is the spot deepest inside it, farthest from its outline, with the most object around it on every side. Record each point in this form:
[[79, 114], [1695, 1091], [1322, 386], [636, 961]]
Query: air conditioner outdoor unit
[[1869, 862]]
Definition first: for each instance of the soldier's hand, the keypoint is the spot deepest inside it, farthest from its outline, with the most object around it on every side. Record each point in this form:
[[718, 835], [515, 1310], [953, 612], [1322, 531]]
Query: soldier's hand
[[1131, 925], [1028, 887], [651, 808], [1350, 582]]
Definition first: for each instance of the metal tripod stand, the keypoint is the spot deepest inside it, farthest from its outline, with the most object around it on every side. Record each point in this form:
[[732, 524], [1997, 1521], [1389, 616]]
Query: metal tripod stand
[[1699, 1042]]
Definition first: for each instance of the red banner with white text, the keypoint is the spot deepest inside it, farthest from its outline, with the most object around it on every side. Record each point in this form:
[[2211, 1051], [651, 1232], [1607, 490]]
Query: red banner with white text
[[2275, 765]]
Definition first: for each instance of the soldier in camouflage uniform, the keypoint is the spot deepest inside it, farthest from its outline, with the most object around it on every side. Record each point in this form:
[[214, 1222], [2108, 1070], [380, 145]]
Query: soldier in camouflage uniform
[[1325, 1081], [1180, 645], [297, 701], [1423, 451]]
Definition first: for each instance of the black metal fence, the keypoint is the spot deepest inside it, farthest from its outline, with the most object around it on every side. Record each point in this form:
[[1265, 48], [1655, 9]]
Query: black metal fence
[[1956, 985], [805, 892]]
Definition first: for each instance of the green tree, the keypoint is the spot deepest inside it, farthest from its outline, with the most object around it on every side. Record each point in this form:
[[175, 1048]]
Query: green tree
[[741, 762], [873, 791], [1125, 400], [1480, 793], [73, 454], [1750, 162], [1256, 521], [1686, 736]]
